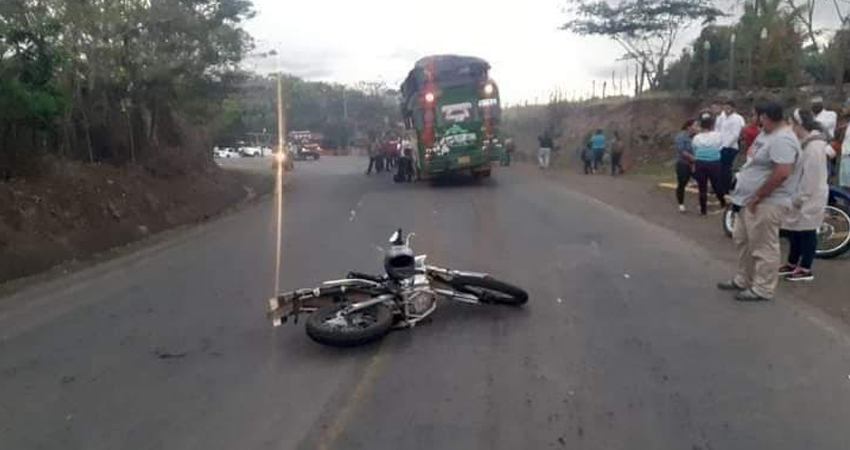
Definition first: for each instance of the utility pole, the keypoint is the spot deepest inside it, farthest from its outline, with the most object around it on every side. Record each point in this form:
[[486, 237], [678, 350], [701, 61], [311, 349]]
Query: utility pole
[[593, 91], [732, 62], [706, 47], [344, 104]]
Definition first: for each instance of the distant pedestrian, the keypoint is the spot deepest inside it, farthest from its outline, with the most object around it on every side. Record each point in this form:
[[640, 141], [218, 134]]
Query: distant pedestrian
[[616, 154], [807, 205], [828, 119], [764, 191], [750, 133], [597, 145], [732, 125], [544, 153], [374, 153], [405, 163], [510, 147], [843, 154], [707, 144], [685, 159], [587, 158]]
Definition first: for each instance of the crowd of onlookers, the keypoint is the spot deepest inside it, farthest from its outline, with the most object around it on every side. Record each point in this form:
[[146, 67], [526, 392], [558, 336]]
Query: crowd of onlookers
[[390, 153], [788, 160]]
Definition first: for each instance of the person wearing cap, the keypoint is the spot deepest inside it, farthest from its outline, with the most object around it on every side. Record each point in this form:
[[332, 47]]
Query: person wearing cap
[[706, 146], [828, 119], [765, 190], [809, 201], [730, 128]]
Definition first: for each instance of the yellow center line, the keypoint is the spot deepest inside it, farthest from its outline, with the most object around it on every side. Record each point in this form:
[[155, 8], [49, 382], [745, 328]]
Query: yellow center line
[[360, 392]]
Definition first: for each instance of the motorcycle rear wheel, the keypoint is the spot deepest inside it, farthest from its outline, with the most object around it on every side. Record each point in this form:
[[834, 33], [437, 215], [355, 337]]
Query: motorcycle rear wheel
[[729, 218], [834, 234], [358, 328], [491, 290]]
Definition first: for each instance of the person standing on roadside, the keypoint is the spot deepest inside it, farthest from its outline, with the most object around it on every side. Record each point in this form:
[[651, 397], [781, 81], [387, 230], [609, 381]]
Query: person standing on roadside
[[616, 154], [587, 158], [843, 153], [808, 203], [544, 153], [731, 128], [750, 133], [374, 150], [828, 119], [510, 147], [707, 144], [685, 159], [764, 190], [597, 145]]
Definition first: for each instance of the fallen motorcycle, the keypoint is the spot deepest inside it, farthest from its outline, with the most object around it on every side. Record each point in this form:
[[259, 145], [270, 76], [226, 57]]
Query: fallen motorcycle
[[363, 308]]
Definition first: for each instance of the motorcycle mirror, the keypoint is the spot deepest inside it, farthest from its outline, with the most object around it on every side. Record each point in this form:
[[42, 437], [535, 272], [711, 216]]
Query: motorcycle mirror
[[410, 238], [396, 238]]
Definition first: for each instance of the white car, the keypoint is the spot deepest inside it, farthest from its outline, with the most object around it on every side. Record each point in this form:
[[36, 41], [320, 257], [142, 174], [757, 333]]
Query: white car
[[251, 151], [224, 153]]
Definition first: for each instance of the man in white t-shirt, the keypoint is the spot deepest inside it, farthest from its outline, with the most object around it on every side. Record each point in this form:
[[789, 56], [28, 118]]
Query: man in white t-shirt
[[730, 129], [828, 119]]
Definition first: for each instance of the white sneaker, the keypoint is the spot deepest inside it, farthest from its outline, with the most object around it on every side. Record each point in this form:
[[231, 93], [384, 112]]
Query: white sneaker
[[682, 209]]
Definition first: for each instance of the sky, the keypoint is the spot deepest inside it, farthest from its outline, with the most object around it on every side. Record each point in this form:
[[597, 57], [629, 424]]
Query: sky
[[379, 40]]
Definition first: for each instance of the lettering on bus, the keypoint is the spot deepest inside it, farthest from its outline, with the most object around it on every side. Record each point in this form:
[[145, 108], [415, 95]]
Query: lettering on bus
[[458, 112]]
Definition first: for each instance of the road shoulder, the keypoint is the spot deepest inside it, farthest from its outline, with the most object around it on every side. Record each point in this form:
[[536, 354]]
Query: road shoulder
[[644, 196]]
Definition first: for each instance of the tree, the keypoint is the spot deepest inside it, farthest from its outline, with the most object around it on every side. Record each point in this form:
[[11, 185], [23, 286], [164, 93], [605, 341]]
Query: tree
[[100, 78], [804, 12], [646, 29], [842, 39]]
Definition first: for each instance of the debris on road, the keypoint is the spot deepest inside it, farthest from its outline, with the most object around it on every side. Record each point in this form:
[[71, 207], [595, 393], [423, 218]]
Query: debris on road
[[162, 354]]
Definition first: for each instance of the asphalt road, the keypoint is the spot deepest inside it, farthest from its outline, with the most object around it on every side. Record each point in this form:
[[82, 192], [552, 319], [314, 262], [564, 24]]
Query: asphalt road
[[624, 343]]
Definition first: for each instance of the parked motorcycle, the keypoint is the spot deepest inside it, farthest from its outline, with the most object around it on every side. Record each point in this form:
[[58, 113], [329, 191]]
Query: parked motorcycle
[[833, 235], [363, 308]]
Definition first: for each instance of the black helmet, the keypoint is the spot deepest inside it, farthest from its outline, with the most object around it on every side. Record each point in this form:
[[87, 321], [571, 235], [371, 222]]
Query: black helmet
[[399, 260]]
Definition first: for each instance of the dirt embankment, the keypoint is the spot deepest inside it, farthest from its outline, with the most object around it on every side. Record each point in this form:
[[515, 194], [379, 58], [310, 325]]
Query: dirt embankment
[[646, 127], [77, 210]]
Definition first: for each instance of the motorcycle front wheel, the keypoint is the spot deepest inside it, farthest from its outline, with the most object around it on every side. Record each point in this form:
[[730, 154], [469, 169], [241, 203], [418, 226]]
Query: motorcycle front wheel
[[327, 326], [490, 290]]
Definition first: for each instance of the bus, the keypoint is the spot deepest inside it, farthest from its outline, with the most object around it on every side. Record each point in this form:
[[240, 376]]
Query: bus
[[451, 111]]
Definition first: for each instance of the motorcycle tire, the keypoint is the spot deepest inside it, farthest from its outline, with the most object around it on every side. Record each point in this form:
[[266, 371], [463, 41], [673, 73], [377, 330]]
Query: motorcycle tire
[[838, 222], [490, 290], [378, 322], [728, 219]]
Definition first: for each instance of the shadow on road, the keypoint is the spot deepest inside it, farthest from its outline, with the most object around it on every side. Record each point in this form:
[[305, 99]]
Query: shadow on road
[[455, 181]]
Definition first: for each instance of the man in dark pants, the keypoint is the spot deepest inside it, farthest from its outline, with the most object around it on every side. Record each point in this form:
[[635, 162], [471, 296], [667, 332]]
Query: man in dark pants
[[730, 128], [374, 150], [616, 154], [597, 144]]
